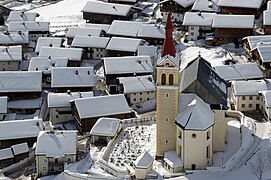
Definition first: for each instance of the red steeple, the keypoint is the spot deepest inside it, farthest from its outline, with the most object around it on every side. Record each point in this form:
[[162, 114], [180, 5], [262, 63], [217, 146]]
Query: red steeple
[[168, 46]]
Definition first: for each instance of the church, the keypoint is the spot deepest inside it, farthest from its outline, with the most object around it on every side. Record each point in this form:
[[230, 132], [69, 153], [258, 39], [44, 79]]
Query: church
[[188, 129]]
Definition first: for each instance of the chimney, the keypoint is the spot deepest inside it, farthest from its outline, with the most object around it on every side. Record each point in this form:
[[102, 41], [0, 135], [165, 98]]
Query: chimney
[[68, 91], [76, 72]]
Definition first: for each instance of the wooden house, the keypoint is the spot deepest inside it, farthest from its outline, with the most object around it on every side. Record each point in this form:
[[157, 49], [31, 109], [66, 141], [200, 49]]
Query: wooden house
[[114, 106], [14, 39], [10, 58], [239, 7], [267, 21], [261, 55], [106, 13], [252, 42]]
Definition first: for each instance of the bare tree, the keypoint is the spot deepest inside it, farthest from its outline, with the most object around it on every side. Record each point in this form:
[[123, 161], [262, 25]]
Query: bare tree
[[259, 165]]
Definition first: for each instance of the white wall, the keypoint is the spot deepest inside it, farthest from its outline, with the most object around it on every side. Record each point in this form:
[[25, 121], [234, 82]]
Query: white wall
[[141, 96], [219, 131], [246, 103], [56, 117]]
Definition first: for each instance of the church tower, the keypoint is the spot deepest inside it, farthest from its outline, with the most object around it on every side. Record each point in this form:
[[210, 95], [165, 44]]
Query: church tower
[[167, 72]]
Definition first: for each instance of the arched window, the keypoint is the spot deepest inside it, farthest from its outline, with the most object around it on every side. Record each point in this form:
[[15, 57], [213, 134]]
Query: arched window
[[171, 79], [163, 79]]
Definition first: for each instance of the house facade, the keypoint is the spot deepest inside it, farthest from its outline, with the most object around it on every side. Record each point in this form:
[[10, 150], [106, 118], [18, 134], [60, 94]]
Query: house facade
[[10, 58]]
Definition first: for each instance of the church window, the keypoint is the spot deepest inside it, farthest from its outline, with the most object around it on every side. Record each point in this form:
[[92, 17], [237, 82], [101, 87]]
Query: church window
[[171, 79], [167, 95], [163, 79]]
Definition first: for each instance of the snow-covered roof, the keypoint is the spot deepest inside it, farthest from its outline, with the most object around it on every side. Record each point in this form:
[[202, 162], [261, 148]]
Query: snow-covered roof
[[20, 81], [267, 18], [74, 54], [123, 44], [168, 58], [6, 154], [48, 42], [172, 159], [144, 161], [72, 77], [83, 31], [105, 127], [45, 64], [253, 4], [147, 51], [151, 31], [137, 84], [233, 21], [255, 41], [124, 28], [194, 113], [25, 103], [17, 129], [57, 143], [149, 7], [99, 7], [252, 87], [22, 16], [3, 104], [20, 148], [11, 53], [198, 19], [183, 3], [269, 5], [92, 42], [265, 53], [267, 98], [239, 71], [28, 26], [63, 99], [14, 38], [206, 5], [102, 106], [127, 65], [104, 27]]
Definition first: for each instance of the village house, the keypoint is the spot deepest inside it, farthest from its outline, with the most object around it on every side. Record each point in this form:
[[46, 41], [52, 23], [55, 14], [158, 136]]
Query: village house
[[127, 66], [3, 107], [247, 99], [124, 28], [28, 132], [148, 51], [74, 55], [198, 23], [20, 151], [266, 103], [114, 106], [48, 42], [143, 165], [105, 129], [20, 84], [24, 106], [106, 13], [10, 58], [14, 39], [232, 28], [83, 31], [74, 79], [206, 6], [239, 7], [6, 157], [177, 9], [261, 55], [54, 149], [35, 30], [250, 43], [45, 65], [119, 46], [137, 89], [153, 34], [59, 105], [22, 16], [93, 47]]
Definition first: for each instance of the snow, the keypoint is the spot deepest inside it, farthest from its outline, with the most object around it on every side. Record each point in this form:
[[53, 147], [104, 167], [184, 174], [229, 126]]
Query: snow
[[241, 87], [29, 26], [104, 27], [48, 42], [92, 42], [198, 19], [137, 84], [147, 51], [20, 148], [266, 18], [127, 65], [25, 104], [14, 38], [72, 77], [105, 127], [206, 5], [172, 60], [57, 143], [253, 4], [20, 81], [144, 161], [190, 115], [102, 106], [267, 98], [172, 159], [17, 129], [11, 53], [3, 104], [63, 99], [6, 154], [74, 54], [233, 21], [83, 31], [124, 28], [123, 44], [151, 31], [183, 3], [264, 52], [256, 41], [22, 16]]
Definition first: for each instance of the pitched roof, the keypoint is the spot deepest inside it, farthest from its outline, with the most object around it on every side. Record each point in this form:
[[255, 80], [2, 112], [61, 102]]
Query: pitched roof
[[253, 4], [72, 77], [206, 5], [267, 18], [20, 148], [104, 27], [83, 31], [3, 104], [151, 31], [183, 3], [102, 106], [20, 81], [100, 7], [22, 16], [71, 53], [194, 113], [233, 21], [137, 84], [240, 88], [147, 51], [11, 53], [14, 38], [239, 71], [17, 129], [48, 42], [56, 143], [267, 97], [28, 26], [105, 127], [144, 161], [6, 154], [198, 19], [255, 41], [92, 42], [124, 28], [127, 65], [123, 44], [264, 52]]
